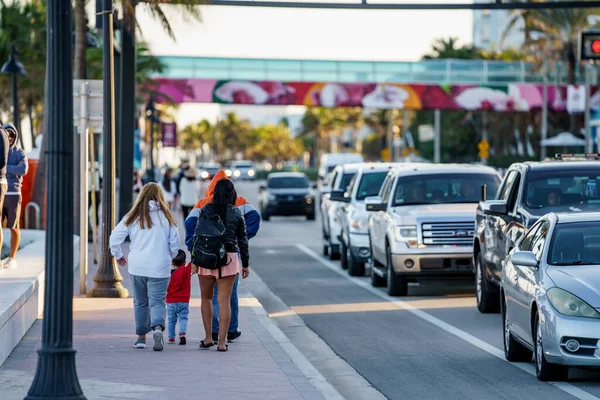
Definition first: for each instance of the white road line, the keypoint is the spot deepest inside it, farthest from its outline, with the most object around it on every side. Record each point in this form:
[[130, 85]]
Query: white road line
[[527, 367]]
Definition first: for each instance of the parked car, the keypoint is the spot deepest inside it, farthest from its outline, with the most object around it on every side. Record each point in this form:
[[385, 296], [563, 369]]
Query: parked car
[[339, 179], [243, 170], [422, 223], [550, 295], [287, 193], [329, 161], [529, 191], [209, 170], [354, 219]]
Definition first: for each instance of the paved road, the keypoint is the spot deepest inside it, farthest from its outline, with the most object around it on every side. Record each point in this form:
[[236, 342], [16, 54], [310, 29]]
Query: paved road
[[433, 344]]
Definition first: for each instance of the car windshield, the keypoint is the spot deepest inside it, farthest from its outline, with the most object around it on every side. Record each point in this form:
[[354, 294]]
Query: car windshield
[[370, 184], [289, 182], [346, 179], [242, 166], [563, 190], [443, 188], [576, 243]]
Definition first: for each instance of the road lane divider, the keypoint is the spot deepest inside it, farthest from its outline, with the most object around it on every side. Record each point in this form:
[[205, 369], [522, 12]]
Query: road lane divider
[[467, 337]]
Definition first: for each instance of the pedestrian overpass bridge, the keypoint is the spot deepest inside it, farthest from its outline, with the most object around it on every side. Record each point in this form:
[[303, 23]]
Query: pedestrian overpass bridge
[[423, 85], [428, 71]]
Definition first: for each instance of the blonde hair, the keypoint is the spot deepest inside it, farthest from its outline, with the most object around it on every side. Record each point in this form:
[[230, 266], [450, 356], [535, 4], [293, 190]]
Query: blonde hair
[[141, 209]]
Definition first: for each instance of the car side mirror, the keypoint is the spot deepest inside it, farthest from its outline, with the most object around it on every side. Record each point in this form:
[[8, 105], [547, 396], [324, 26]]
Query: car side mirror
[[375, 203], [524, 259], [495, 207], [315, 186], [339, 195], [262, 188]]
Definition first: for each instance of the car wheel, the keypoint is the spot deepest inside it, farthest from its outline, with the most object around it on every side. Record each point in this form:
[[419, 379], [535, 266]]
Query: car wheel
[[513, 350], [334, 254], [396, 284], [310, 217], [355, 268], [376, 280], [487, 301], [325, 249], [266, 217], [343, 254], [543, 369]]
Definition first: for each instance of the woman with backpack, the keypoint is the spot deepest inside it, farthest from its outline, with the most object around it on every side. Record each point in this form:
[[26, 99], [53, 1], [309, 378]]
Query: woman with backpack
[[221, 223], [154, 236]]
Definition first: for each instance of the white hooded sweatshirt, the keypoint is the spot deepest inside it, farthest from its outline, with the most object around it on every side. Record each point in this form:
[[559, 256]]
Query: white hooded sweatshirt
[[151, 249]]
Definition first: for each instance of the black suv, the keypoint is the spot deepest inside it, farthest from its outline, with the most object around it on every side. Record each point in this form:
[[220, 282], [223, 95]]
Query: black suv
[[529, 191], [287, 193]]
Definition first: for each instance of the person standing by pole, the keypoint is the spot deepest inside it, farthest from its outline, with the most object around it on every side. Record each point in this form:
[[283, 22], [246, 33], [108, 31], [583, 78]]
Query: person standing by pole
[[16, 168]]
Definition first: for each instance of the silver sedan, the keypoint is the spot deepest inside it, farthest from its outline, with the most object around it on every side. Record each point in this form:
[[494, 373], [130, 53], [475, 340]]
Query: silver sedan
[[550, 295]]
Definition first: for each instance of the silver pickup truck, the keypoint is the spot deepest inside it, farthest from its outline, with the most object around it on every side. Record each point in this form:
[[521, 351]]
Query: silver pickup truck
[[423, 221]]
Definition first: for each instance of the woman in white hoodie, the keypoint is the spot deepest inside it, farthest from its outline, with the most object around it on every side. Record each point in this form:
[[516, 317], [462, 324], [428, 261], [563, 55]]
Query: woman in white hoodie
[[154, 236]]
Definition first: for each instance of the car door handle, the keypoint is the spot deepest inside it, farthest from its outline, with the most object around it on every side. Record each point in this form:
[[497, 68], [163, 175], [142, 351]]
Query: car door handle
[[515, 278]]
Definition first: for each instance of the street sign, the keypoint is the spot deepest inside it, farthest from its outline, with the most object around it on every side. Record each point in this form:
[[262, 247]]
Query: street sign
[[90, 102], [484, 147], [169, 134]]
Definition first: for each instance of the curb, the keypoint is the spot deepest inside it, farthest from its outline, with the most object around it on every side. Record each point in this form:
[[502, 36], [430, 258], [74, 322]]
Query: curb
[[314, 377]]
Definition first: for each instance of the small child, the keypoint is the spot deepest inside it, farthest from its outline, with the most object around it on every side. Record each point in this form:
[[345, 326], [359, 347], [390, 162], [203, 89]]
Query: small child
[[178, 296]]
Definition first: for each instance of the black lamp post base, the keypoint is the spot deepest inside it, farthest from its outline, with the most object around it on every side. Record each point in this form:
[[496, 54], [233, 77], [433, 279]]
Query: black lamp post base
[[56, 376], [108, 279]]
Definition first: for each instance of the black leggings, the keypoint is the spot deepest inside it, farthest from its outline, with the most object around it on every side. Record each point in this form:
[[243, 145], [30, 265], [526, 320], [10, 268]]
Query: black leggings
[[186, 210]]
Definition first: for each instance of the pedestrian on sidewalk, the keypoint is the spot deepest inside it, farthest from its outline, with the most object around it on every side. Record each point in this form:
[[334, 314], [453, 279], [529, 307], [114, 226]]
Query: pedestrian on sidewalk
[[252, 219], [178, 297], [169, 188], [154, 236], [16, 168], [189, 188], [223, 206], [3, 182]]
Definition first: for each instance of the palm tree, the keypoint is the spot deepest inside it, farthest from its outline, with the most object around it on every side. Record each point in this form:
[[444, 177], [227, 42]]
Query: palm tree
[[554, 34], [448, 48]]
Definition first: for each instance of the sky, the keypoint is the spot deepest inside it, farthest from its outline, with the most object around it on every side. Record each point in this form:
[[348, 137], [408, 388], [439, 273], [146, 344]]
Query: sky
[[254, 32], [280, 33]]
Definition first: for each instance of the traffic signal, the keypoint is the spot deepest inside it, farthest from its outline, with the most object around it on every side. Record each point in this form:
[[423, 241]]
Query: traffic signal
[[589, 46]]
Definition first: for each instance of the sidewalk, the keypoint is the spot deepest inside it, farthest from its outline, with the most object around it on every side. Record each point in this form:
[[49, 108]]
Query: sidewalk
[[257, 366]]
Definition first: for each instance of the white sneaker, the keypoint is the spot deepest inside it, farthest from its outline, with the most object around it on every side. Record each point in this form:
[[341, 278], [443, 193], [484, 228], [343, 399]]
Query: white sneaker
[[9, 263]]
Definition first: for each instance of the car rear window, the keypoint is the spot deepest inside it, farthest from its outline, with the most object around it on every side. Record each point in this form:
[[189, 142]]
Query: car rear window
[[443, 188], [289, 182]]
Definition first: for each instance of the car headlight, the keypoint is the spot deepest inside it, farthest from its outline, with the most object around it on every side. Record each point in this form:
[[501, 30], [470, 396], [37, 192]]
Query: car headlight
[[204, 174], [271, 197], [309, 199], [228, 172], [251, 172], [236, 173], [406, 233], [568, 304]]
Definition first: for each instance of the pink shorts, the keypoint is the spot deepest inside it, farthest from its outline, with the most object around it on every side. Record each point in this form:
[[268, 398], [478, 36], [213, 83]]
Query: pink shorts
[[233, 268]]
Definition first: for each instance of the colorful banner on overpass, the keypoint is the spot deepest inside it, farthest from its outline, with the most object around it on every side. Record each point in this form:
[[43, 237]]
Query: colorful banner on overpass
[[504, 97]]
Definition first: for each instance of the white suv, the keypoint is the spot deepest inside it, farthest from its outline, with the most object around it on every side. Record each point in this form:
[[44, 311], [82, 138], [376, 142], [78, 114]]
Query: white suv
[[423, 221], [338, 179], [355, 247]]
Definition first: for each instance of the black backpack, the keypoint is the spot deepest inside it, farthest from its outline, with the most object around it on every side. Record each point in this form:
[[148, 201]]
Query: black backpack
[[208, 249]]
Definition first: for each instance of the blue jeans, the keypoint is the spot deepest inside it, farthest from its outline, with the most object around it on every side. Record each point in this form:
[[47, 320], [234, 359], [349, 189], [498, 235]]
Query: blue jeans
[[178, 311], [233, 324], [149, 302]]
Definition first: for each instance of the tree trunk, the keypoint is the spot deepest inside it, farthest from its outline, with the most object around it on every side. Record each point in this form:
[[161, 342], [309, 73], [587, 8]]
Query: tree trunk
[[80, 39]]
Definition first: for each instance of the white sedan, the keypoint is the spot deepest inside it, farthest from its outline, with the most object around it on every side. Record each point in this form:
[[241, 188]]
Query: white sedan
[[550, 295]]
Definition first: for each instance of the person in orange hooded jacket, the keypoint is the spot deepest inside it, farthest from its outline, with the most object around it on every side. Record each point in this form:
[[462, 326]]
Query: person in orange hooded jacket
[[252, 218]]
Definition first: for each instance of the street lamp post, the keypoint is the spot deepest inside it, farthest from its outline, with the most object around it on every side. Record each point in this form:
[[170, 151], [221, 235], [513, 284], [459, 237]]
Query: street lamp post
[[108, 278], [15, 68], [56, 372], [151, 115]]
